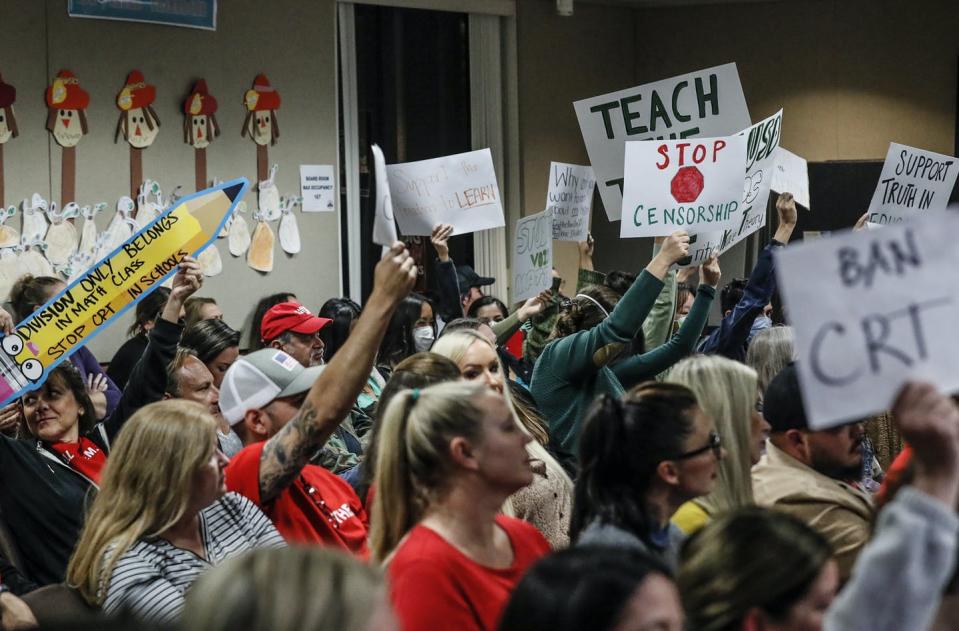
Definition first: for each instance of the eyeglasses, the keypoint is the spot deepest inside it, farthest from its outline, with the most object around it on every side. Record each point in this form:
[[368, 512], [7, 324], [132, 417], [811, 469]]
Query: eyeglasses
[[715, 444]]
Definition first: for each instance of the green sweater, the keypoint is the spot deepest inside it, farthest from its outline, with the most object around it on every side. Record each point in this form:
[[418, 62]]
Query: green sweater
[[574, 370]]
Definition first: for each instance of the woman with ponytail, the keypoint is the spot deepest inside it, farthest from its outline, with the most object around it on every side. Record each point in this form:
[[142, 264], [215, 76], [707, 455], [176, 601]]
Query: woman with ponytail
[[547, 502], [640, 459], [449, 457], [596, 346]]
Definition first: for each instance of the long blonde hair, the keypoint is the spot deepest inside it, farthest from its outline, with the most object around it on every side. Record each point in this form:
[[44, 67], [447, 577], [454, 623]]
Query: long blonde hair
[[147, 487], [412, 463], [726, 390], [285, 589], [455, 346]]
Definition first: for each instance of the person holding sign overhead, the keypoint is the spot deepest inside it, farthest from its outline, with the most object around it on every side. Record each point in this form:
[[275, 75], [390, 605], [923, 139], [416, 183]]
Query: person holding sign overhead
[[580, 360], [47, 479]]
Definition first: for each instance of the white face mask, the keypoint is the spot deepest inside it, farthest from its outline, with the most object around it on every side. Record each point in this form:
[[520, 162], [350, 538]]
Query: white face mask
[[423, 337]]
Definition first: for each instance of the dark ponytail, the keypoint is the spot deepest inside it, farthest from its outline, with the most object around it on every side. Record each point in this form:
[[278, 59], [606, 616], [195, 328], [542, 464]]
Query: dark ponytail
[[620, 447]]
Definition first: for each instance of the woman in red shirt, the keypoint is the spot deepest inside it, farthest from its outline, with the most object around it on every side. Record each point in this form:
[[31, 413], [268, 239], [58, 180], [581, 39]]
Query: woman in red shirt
[[449, 457]]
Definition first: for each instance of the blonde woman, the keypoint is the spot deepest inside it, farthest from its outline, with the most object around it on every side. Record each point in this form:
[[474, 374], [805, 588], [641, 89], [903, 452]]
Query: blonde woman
[[162, 516], [289, 589], [547, 502], [729, 392], [450, 455]]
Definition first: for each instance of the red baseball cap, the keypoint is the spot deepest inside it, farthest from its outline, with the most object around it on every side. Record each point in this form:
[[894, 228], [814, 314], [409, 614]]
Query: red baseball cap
[[290, 316]]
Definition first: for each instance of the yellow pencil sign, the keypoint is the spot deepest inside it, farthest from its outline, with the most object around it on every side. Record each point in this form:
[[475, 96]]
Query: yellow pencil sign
[[113, 285]]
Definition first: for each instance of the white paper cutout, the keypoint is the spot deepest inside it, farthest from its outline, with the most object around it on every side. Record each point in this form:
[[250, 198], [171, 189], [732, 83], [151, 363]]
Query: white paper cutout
[[9, 237], [289, 231], [149, 203], [88, 231], [268, 197], [239, 238], [62, 238], [210, 261], [9, 271], [34, 217], [31, 259], [260, 254], [122, 226]]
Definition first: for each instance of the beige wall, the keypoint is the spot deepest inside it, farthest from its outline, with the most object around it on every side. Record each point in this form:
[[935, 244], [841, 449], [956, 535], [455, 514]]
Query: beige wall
[[294, 45]]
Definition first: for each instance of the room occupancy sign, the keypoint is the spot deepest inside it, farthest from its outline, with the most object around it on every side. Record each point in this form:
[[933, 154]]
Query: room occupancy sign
[[111, 286]]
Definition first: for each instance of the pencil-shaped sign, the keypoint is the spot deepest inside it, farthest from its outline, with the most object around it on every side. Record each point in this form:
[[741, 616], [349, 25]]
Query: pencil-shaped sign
[[113, 285]]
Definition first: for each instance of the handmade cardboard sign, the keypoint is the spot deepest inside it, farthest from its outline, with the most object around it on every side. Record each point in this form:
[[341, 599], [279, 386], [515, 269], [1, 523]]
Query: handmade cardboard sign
[[700, 104], [912, 180], [317, 187], [569, 197], [532, 255], [384, 224], [111, 286], [762, 141], [460, 190], [694, 185], [791, 175], [871, 310]]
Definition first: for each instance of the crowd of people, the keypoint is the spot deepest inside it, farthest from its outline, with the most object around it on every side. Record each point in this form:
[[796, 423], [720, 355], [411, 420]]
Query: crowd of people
[[602, 460]]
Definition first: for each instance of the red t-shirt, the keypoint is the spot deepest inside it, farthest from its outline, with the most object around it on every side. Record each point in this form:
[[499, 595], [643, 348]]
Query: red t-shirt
[[435, 586], [84, 455], [318, 507]]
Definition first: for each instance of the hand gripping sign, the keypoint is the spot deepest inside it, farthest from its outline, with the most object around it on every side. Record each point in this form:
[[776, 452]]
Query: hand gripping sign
[[111, 286]]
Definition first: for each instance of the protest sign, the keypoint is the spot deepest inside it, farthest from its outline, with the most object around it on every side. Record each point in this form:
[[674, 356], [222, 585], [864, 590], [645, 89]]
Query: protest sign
[[791, 175], [460, 190], [111, 286], [706, 103], [912, 180], [694, 185], [532, 255], [384, 226], [871, 310], [762, 141], [569, 197]]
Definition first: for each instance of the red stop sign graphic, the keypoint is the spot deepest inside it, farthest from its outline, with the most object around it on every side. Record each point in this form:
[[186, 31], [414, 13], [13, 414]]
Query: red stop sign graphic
[[686, 185]]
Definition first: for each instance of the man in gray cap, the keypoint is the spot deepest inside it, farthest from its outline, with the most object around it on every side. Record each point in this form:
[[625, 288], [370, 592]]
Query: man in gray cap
[[809, 474], [285, 413]]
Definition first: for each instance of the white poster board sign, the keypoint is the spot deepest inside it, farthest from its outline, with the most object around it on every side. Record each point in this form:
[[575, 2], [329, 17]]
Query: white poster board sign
[[318, 188], [762, 142], [912, 180], [791, 175], [694, 185], [384, 225], [706, 103], [871, 310], [532, 255], [460, 190], [569, 197]]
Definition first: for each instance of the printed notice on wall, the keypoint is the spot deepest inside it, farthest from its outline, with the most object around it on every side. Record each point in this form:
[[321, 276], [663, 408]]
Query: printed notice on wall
[[912, 181], [706, 103], [569, 197], [872, 310], [460, 190], [318, 188], [532, 255]]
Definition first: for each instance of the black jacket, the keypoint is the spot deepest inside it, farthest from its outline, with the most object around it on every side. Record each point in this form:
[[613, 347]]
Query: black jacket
[[42, 498]]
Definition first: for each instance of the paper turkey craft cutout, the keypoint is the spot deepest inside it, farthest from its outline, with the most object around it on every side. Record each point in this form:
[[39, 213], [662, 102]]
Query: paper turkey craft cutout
[[138, 123], [67, 102], [200, 128]]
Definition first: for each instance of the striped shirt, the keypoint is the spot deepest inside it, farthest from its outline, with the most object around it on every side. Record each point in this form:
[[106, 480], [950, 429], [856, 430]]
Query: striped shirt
[[151, 579]]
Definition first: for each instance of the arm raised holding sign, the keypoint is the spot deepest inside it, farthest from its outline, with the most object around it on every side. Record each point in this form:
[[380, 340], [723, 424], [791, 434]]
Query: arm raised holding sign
[[639, 368], [447, 285], [596, 329], [740, 311]]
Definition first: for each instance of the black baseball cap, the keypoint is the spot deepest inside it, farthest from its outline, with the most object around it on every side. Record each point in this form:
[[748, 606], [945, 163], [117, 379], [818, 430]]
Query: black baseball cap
[[468, 277], [782, 403]]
